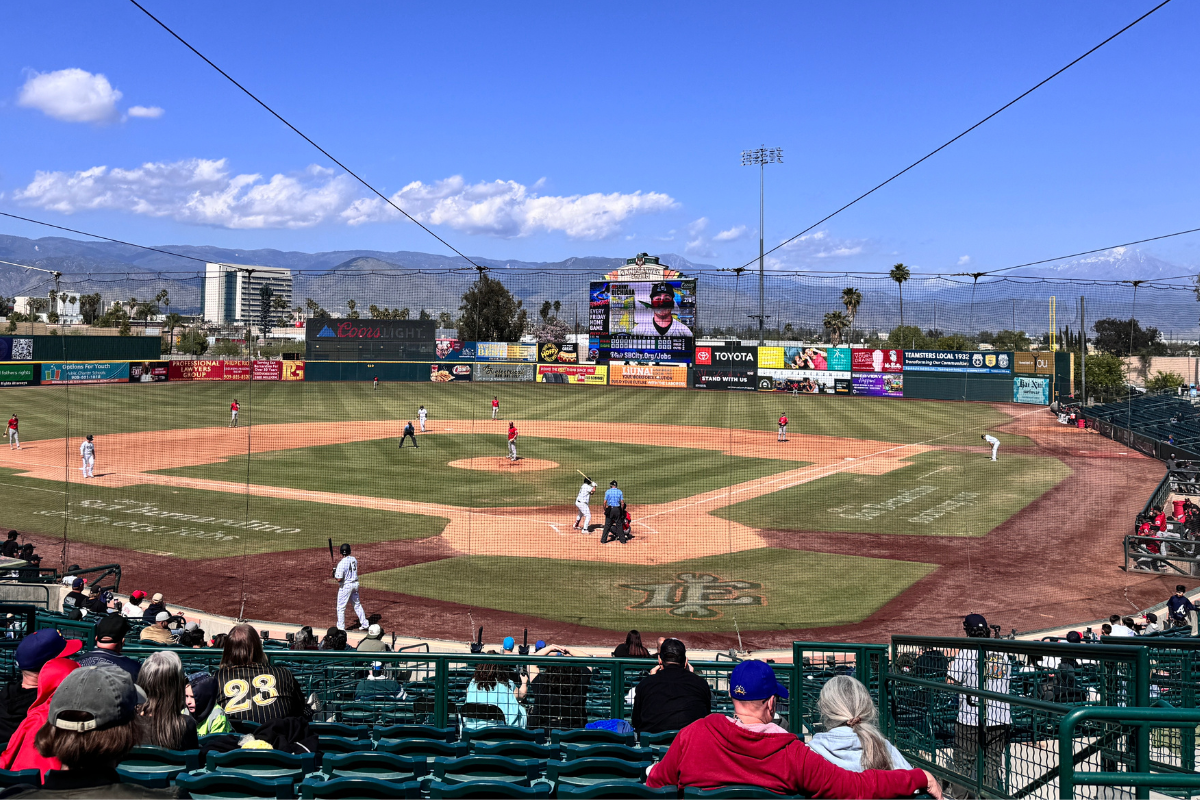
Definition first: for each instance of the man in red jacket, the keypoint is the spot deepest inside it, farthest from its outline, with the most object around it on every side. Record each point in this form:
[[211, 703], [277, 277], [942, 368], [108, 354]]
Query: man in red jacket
[[749, 748]]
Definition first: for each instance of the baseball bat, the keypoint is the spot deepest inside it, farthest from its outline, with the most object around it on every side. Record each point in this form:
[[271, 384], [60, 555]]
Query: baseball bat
[[331, 561], [585, 477]]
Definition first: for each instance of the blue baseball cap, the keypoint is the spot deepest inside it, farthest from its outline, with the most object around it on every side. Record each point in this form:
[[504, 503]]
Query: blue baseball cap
[[509, 643], [755, 680], [37, 648], [540, 644]]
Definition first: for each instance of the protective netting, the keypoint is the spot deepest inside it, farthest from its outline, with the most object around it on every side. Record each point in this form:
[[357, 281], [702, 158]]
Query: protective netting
[[878, 515]]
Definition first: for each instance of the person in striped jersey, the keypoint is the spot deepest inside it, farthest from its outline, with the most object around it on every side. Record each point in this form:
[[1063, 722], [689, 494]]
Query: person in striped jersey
[[251, 689]]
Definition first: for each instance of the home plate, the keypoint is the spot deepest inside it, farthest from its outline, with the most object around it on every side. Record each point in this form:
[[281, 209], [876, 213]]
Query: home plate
[[848, 458]]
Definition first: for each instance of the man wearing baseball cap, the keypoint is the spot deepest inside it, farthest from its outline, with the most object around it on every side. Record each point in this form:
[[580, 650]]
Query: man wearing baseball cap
[[662, 321], [32, 654], [749, 748], [133, 609], [374, 640], [997, 716], [110, 637], [158, 633]]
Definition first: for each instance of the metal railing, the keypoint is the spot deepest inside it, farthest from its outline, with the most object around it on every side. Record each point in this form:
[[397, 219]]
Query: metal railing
[[820, 661], [1175, 556], [1083, 732]]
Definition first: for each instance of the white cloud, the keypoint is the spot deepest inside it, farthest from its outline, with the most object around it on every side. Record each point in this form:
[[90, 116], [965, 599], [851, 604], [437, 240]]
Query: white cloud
[[205, 192], [815, 248], [145, 112], [71, 95], [731, 235], [698, 245], [964, 260]]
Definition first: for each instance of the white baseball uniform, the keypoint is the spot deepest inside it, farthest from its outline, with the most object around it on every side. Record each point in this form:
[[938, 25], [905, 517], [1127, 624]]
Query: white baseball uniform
[[87, 452], [421, 414], [581, 502], [995, 443], [347, 575]]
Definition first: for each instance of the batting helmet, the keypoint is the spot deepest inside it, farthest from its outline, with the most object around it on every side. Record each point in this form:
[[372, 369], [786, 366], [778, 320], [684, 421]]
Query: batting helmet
[[975, 625], [345, 549]]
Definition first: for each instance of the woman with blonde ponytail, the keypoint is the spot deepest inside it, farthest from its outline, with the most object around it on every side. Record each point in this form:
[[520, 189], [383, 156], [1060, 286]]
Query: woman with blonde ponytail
[[851, 738]]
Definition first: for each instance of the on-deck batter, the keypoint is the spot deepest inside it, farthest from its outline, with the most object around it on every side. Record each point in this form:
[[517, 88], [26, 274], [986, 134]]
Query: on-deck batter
[[421, 414], [87, 452], [582, 501], [347, 575]]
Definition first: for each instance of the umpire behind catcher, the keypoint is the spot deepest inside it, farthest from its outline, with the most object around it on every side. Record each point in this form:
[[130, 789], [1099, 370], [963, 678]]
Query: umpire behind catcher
[[612, 512]]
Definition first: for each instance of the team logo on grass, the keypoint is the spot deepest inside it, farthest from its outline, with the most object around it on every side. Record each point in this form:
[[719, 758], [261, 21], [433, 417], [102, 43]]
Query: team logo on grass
[[696, 595]]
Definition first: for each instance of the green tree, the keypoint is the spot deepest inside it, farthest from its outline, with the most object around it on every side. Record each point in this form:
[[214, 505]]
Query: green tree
[[89, 307], [193, 342], [954, 341], [1165, 381], [1105, 375], [424, 315], [836, 323], [851, 299], [908, 337], [226, 347], [1126, 337], [314, 309], [445, 320], [171, 322], [554, 330], [900, 274], [353, 306], [164, 297], [1011, 340], [489, 313], [125, 330]]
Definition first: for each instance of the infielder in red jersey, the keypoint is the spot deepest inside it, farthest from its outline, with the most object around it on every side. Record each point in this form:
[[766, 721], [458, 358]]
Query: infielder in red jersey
[[512, 442], [14, 439], [233, 413], [495, 408], [783, 421]]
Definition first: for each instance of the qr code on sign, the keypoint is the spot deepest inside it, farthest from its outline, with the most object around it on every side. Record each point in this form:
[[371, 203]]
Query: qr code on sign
[[22, 350]]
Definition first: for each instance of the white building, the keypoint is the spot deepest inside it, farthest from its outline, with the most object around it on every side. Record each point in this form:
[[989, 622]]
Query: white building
[[68, 312], [231, 293]]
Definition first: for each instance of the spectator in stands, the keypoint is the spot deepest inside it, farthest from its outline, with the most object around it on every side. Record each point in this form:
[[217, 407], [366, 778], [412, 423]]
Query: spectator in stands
[[851, 739], [193, 636], [218, 641], [1106, 629], [110, 638], [1180, 610], [374, 640], [161, 719], [11, 547], [1119, 628], [379, 685], [91, 727], [304, 640], [491, 685], [250, 688], [509, 646], [21, 752], [73, 604], [633, 647], [335, 639], [997, 724], [1151, 625], [200, 694], [32, 654], [749, 748], [133, 608], [158, 633], [558, 693], [672, 696], [156, 606]]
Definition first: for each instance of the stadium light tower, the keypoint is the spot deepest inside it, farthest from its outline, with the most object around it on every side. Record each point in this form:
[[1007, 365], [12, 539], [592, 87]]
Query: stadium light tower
[[761, 157]]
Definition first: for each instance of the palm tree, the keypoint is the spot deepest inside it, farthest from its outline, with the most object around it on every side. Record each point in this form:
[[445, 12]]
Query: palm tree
[[353, 306], [851, 299], [172, 321], [835, 323], [900, 274]]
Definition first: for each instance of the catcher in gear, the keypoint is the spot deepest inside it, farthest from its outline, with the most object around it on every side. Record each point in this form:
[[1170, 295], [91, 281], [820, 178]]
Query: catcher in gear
[[347, 576]]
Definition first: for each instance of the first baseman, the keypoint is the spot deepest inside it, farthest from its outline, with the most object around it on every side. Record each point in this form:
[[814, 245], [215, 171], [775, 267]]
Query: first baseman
[[233, 412], [582, 501], [14, 439], [87, 452], [993, 441], [512, 442], [421, 415], [347, 575]]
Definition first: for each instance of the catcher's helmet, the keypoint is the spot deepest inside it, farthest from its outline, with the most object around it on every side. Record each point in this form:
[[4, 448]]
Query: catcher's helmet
[[345, 549]]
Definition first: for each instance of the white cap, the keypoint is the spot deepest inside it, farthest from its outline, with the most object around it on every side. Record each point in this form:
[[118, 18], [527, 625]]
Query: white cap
[[162, 616], [374, 631]]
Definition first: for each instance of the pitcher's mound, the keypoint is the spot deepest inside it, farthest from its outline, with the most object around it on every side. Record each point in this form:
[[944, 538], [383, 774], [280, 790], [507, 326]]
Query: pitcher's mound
[[502, 464]]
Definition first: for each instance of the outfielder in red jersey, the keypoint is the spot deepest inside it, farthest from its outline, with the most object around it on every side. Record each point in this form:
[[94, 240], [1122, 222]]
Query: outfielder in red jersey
[[512, 442], [233, 413], [495, 408], [783, 421], [14, 439]]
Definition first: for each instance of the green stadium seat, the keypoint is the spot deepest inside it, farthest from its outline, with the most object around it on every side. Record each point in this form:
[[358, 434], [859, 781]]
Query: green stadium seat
[[448, 734], [486, 768], [586, 771], [590, 736], [541, 752], [20, 777], [377, 766], [485, 789], [312, 789], [262, 763], [571, 752], [423, 748], [502, 733], [340, 729], [227, 784], [616, 789], [156, 767], [663, 737], [340, 744], [734, 792]]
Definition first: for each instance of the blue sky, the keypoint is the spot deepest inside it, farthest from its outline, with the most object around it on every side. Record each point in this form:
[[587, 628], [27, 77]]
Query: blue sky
[[546, 131]]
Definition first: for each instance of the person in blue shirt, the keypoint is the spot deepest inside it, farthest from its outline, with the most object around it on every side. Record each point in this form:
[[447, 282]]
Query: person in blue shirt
[[612, 512]]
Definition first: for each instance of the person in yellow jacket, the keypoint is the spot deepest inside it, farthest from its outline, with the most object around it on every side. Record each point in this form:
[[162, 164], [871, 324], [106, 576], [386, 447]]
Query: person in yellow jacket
[[201, 696]]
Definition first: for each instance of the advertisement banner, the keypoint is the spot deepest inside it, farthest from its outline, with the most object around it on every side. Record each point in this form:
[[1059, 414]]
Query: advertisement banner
[[716, 378], [877, 384], [505, 351], [957, 361], [18, 375], [730, 356], [1043, 364], [1031, 390], [372, 330], [454, 350], [841, 359], [1024, 363], [877, 360], [770, 358], [803, 381], [444, 373], [182, 371], [92, 372], [267, 371], [811, 358], [565, 373], [204, 370], [521, 373], [236, 371], [148, 371], [292, 371], [662, 376], [553, 353], [15, 349]]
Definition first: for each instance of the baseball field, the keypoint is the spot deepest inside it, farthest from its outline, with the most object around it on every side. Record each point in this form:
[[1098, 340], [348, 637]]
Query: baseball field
[[877, 515]]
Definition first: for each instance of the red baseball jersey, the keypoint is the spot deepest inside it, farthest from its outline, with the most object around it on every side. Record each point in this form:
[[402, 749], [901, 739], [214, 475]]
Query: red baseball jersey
[[12, 424], [233, 406], [512, 434], [783, 419], [495, 403]]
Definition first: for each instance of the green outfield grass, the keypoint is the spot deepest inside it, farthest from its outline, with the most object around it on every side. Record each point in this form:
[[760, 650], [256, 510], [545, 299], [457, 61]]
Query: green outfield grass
[[647, 474], [133, 518], [123, 408], [940, 494], [772, 589]]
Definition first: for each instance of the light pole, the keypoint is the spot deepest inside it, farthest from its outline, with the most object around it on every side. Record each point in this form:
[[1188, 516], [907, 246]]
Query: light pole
[[762, 156]]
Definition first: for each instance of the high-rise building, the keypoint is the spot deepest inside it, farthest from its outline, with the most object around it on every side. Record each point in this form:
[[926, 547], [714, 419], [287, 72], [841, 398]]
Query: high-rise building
[[232, 293]]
